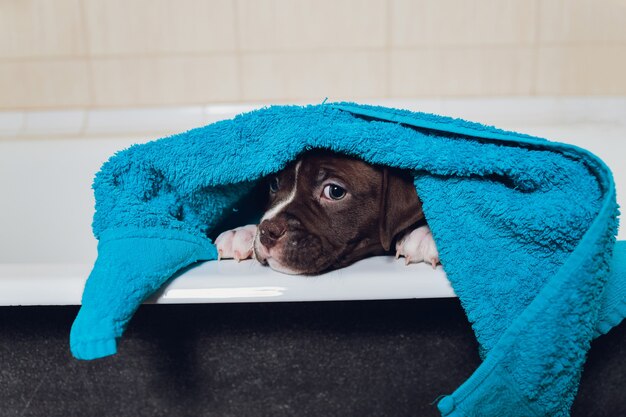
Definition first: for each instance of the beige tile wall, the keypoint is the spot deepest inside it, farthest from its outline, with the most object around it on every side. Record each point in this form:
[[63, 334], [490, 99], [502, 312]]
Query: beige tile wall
[[119, 53]]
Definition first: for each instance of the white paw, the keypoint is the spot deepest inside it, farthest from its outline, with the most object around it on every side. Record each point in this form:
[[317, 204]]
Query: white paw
[[417, 246], [237, 243]]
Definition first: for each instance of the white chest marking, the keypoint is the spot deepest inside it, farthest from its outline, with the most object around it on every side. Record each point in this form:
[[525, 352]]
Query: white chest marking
[[278, 207]]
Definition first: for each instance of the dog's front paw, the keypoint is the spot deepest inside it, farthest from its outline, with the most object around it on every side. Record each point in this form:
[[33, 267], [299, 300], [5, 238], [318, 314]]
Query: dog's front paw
[[237, 243], [417, 246]]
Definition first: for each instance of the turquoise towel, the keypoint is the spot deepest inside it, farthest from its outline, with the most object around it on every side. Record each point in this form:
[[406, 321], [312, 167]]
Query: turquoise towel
[[525, 230]]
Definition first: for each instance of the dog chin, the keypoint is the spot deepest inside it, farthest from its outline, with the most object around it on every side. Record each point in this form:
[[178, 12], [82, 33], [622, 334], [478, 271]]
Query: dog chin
[[277, 266], [268, 258]]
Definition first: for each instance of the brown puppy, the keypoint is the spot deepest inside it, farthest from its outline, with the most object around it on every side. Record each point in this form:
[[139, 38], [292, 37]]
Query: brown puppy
[[328, 211]]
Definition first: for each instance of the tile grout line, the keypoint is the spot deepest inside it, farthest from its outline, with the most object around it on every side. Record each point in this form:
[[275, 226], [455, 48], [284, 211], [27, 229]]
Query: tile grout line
[[238, 52], [535, 49], [90, 69], [288, 51], [388, 47], [528, 107]]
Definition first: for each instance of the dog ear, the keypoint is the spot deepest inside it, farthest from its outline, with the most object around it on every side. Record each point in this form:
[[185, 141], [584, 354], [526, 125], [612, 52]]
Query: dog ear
[[399, 206]]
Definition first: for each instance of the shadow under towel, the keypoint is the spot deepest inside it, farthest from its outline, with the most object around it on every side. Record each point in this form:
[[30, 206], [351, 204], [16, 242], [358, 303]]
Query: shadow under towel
[[525, 229]]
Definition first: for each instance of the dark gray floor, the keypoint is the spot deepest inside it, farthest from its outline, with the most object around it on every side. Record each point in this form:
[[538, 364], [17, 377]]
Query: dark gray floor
[[383, 358]]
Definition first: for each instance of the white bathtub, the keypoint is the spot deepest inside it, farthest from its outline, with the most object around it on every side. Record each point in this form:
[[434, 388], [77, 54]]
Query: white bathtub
[[48, 159]]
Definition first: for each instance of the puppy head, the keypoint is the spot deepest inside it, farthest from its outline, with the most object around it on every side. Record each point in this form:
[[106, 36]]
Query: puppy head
[[327, 211]]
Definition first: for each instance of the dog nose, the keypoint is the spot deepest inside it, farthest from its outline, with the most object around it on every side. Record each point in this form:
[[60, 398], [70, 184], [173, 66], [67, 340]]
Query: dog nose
[[271, 231]]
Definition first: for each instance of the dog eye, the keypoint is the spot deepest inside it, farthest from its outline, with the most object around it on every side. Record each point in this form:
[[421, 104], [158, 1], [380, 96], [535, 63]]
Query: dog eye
[[334, 192], [274, 185]]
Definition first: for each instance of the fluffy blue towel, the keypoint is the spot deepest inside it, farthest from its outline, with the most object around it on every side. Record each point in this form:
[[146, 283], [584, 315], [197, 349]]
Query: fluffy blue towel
[[525, 230]]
